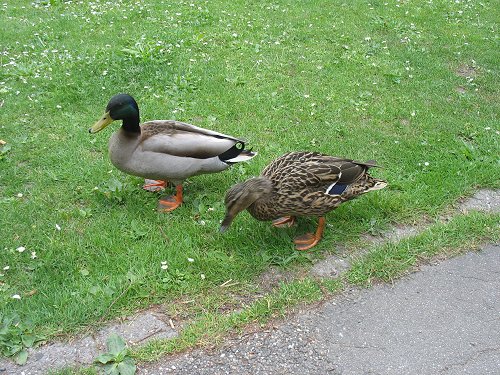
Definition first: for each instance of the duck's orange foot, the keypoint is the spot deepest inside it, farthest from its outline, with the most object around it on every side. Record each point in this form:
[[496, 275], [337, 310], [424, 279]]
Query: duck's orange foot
[[306, 241], [285, 221], [170, 203], [309, 240], [167, 204], [154, 185]]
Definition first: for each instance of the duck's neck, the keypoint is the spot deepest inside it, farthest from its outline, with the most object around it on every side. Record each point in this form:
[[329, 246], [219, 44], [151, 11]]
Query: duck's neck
[[261, 206], [131, 124], [262, 209]]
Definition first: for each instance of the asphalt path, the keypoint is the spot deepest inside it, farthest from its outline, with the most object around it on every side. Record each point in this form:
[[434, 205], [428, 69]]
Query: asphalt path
[[443, 319]]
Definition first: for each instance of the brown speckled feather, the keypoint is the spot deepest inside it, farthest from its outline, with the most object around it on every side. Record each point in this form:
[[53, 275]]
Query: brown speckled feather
[[301, 181]]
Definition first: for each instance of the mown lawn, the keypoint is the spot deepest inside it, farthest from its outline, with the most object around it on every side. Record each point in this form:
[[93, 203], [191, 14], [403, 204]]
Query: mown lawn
[[412, 84]]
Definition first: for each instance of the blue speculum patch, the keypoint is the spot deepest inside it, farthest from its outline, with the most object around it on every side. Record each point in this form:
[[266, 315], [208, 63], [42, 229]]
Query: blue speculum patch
[[337, 189]]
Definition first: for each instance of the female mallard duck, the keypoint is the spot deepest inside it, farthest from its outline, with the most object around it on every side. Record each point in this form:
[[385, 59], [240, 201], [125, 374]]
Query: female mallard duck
[[166, 149], [300, 184]]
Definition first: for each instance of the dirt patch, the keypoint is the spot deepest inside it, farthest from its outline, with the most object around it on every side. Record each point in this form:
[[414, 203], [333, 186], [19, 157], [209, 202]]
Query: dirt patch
[[466, 71], [271, 278], [330, 267], [395, 234], [484, 200], [404, 122]]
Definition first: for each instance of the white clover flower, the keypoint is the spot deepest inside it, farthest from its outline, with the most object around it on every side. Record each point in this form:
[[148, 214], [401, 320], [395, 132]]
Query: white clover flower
[[58, 227], [426, 163], [202, 276], [190, 260], [33, 254], [19, 195], [164, 265], [21, 249]]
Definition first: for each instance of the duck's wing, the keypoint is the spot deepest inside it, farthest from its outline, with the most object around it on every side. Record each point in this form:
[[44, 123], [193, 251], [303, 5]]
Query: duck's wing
[[185, 140], [312, 170], [300, 170]]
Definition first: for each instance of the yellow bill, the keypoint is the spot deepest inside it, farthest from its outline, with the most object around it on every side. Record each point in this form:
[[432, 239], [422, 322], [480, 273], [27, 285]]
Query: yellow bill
[[104, 121]]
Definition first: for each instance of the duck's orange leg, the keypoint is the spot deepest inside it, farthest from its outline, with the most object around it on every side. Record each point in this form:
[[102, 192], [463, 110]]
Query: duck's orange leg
[[285, 221], [309, 240], [170, 203], [154, 185]]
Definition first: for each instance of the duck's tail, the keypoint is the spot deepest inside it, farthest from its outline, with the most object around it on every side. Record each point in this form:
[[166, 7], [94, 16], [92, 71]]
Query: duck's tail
[[376, 184], [237, 154], [245, 155]]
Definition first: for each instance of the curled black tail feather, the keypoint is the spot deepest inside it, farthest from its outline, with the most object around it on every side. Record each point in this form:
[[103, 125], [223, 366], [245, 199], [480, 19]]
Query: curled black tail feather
[[233, 152]]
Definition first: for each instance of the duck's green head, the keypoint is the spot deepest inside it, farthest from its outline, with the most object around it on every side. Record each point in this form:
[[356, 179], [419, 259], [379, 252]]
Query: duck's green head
[[120, 107]]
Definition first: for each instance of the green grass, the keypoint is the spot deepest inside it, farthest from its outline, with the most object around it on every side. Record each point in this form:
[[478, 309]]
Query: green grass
[[412, 85], [385, 262]]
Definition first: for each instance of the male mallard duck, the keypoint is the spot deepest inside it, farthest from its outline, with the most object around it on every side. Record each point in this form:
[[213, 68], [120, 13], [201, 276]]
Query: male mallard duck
[[166, 149], [300, 184]]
